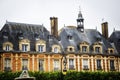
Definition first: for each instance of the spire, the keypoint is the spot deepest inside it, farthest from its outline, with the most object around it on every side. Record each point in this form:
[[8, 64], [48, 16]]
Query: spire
[[80, 14]]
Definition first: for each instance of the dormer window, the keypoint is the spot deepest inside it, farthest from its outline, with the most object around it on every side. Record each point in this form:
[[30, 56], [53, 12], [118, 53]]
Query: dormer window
[[56, 49], [7, 46], [110, 50], [24, 47], [40, 48], [84, 48], [97, 49], [69, 37], [20, 35], [70, 49]]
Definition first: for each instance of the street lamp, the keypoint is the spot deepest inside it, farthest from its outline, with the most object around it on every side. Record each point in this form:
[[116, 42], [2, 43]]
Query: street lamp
[[64, 63]]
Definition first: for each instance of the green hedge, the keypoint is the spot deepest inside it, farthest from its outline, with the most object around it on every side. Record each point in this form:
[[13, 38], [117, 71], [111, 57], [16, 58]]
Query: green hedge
[[69, 75]]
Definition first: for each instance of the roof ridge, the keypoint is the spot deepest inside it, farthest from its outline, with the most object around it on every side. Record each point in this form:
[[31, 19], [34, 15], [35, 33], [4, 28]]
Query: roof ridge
[[8, 22]]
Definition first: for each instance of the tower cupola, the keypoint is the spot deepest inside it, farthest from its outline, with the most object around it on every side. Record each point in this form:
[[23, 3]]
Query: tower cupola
[[80, 22]]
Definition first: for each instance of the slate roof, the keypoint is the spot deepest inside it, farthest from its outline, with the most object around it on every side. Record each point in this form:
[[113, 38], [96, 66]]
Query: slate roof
[[16, 31], [115, 38], [89, 35], [28, 31]]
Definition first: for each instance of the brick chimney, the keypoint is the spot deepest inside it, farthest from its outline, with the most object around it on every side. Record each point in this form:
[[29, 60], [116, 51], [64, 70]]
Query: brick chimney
[[54, 26], [105, 29]]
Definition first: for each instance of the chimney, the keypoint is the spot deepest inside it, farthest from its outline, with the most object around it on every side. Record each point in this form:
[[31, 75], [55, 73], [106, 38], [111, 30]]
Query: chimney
[[54, 26], [105, 29]]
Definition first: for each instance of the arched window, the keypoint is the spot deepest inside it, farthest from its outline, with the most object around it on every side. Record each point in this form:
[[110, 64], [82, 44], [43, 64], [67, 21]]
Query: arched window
[[7, 46], [56, 48]]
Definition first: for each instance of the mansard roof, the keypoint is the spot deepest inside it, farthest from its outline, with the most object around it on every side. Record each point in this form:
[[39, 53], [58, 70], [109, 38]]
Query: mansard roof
[[115, 39], [90, 36], [68, 36], [15, 30]]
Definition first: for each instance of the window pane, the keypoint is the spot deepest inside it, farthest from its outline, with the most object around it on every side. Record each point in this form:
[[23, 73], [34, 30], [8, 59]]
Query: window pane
[[41, 65], [40, 48], [85, 63], [84, 48], [98, 64], [55, 50], [7, 47], [7, 64], [97, 49], [56, 65], [112, 65], [71, 63], [25, 64], [24, 47]]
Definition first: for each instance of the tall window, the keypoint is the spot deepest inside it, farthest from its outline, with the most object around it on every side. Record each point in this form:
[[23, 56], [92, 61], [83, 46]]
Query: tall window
[[56, 65], [85, 64], [24, 47], [7, 64], [24, 64], [55, 50], [40, 48], [7, 48], [97, 49], [84, 48], [98, 64], [71, 64], [41, 65], [112, 65]]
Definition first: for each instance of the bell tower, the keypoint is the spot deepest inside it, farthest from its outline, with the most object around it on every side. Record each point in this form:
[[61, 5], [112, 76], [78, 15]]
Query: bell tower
[[80, 22]]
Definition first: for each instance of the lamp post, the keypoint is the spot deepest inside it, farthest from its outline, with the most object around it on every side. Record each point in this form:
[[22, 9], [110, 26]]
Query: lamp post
[[64, 63]]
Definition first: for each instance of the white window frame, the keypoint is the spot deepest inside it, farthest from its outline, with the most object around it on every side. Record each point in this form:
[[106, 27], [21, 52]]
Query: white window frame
[[24, 47], [56, 50], [7, 63], [56, 64], [25, 64], [85, 64], [7, 47], [40, 48], [41, 62]]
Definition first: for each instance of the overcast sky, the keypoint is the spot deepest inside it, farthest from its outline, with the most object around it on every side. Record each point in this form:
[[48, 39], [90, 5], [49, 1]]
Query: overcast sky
[[39, 12]]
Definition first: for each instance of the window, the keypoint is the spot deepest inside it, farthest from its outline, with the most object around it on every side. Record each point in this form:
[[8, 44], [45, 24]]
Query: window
[[55, 50], [24, 64], [69, 37], [85, 64], [71, 49], [98, 64], [7, 48], [71, 64], [24, 47], [84, 48], [56, 65], [41, 65], [7, 64], [97, 49], [112, 65], [40, 48]]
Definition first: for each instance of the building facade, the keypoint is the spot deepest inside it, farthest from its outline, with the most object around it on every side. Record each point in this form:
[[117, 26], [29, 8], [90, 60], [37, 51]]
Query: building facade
[[34, 48]]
